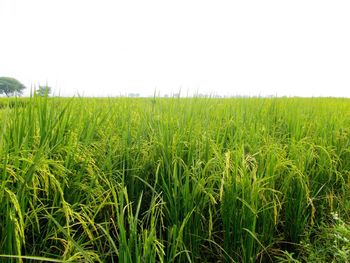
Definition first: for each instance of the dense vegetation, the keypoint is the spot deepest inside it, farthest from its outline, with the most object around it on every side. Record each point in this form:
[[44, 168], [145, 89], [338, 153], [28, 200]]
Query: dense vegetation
[[175, 180]]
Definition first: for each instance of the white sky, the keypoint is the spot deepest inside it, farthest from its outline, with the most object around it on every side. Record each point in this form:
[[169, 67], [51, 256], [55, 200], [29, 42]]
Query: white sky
[[108, 48]]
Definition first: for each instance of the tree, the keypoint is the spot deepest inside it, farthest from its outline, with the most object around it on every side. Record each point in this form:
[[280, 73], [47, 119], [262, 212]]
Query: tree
[[43, 91], [10, 86]]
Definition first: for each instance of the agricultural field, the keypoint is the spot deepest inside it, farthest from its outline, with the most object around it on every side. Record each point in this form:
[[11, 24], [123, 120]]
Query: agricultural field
[[174, 180]]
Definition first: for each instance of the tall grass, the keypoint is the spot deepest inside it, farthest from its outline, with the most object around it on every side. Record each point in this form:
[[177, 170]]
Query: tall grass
[[169, 180]]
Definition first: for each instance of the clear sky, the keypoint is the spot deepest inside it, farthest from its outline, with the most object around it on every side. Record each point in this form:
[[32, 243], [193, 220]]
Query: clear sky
[[112, 47]]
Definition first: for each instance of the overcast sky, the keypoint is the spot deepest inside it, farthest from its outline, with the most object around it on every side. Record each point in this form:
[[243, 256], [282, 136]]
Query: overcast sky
[[108, 48]]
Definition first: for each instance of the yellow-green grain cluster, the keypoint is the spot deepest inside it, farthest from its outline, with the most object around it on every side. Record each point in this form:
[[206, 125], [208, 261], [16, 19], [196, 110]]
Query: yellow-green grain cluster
[[169, 180]]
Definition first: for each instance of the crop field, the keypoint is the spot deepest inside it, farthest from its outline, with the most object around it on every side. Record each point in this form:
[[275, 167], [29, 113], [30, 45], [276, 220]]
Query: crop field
[[174, 180]]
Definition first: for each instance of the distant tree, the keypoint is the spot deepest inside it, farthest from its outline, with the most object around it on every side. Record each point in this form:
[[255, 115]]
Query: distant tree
[[11, 86], [43, 91]]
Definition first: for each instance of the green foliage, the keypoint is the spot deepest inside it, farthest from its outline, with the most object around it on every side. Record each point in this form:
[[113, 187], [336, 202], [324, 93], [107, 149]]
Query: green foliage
[[10, 86], [173, 180], [43, 91], [331, 243], [328, 243]]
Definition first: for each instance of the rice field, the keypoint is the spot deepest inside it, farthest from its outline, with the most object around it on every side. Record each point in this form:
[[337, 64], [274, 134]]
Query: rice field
[[171, 180]]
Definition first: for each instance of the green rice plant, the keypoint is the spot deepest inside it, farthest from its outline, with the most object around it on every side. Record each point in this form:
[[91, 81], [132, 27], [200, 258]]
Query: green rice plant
[[170, 180]]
